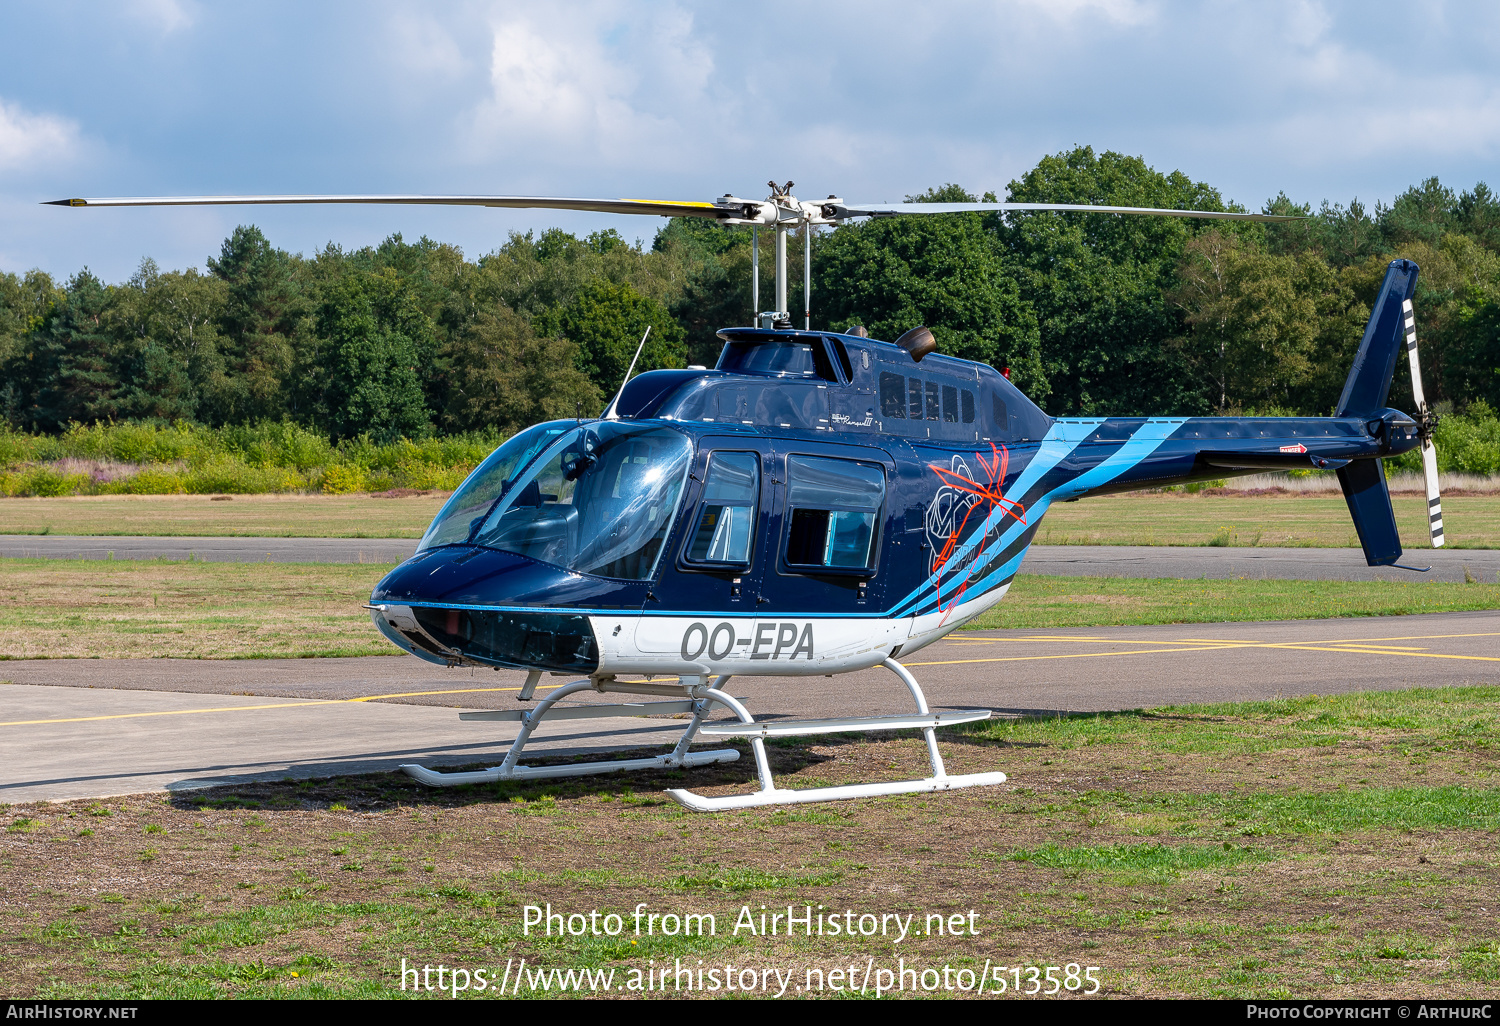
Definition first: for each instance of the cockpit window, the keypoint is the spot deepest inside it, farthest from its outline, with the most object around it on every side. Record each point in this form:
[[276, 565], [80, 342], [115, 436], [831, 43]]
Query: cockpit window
[[600, 501], [462, 514], [832, 508]]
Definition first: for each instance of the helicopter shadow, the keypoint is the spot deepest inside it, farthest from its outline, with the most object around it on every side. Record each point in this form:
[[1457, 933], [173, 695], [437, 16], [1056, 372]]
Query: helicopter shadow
[[366, 791]]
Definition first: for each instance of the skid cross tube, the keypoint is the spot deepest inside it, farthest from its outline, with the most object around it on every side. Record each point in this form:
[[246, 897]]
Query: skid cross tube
[[679, 756]]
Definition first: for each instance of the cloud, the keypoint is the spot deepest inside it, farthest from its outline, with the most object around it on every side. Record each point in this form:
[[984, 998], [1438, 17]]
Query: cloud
[[33, 140], [166, 15], [632, 85], [421, 44], [1121, 12]]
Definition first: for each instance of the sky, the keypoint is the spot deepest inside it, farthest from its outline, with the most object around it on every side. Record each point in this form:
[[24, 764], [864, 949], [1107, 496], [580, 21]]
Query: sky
[[871, 101]]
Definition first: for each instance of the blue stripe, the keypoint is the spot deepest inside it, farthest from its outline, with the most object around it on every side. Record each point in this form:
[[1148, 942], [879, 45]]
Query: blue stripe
[[1143, 443], [1053, 450]]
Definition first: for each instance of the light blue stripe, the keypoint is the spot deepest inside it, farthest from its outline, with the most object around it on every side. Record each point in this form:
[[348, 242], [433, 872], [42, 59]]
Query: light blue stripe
[[1050, 453], [711, 614], [1143, 443]]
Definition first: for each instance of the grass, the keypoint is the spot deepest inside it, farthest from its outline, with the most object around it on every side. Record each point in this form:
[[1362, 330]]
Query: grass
[[1142, 518], [1037, 601], [1315, 847], [153, 458], [1135, 860], [68, 608], [64, 608], [1289, 520], [255, 516]]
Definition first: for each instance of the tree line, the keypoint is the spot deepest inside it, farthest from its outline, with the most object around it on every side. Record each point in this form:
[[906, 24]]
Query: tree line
[[1092, 314]]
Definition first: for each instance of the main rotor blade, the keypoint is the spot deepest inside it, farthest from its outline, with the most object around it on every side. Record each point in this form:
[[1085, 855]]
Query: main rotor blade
[[662, 208], [843, 210], [1424, 422]]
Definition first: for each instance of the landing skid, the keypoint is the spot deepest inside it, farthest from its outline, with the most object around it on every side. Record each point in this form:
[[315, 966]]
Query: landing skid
[[698, 699]]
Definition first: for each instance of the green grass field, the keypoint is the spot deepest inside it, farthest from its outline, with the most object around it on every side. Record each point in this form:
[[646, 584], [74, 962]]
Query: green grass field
[[68, 608], [1318, 520], [253, 516], [1142, 518], [1312, 848], [64, 608]]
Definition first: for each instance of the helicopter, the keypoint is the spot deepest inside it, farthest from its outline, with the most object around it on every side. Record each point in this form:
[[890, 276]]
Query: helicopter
[[818, 503]]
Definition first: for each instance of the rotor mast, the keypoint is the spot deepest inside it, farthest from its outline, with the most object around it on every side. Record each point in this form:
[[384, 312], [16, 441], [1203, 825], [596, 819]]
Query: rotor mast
[[783, 213]]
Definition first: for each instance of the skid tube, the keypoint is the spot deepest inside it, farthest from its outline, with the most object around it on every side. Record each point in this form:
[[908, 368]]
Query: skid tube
[[702, 698], [770, 794]]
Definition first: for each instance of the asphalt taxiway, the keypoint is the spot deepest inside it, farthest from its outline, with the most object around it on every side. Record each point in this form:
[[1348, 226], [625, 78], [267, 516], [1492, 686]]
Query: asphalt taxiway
[[96, 727]]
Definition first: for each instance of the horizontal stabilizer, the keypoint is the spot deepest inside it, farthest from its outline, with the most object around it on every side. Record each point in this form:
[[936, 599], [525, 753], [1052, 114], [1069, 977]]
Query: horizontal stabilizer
[[1370, 505]]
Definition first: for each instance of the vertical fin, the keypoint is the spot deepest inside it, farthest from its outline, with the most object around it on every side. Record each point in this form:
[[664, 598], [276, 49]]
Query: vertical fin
[[1370, 378]]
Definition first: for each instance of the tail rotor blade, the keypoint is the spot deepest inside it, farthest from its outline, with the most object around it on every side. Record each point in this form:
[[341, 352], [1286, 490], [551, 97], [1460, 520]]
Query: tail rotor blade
[[1425, 422], [1434, 500]]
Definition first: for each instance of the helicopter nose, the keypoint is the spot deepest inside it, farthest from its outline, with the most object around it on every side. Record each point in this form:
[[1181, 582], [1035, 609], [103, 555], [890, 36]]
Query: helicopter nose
[[484, 607]]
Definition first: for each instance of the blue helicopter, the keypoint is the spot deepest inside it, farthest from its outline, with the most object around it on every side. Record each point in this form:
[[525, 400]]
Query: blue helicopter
[[817, 503]]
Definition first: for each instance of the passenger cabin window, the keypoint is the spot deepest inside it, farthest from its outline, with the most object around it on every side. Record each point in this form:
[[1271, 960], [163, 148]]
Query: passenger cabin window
[[917, 399], [833, 507], [892, 395], [726, 516]]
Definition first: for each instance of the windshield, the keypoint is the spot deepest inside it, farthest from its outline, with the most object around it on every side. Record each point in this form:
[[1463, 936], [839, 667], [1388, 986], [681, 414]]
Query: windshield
[[600, 501], [474, 499]]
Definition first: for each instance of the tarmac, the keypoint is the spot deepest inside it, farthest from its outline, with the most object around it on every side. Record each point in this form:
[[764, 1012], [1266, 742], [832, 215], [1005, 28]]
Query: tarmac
[[97, 727]]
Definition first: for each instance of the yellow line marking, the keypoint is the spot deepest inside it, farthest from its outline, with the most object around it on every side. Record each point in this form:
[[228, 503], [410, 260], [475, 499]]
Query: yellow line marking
[[1371, 641], [301, 703], [1073, 655], [1102, 641], [1350, 647], [414, 694], [1132, 641], [1386, 649], [175, 712], [1216, 641], [1425, 637], [1367, 651]]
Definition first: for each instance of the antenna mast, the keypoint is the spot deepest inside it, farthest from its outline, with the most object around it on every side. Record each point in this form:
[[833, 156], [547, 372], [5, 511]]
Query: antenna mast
[[807, 276], [609, 411], [754, 275]]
